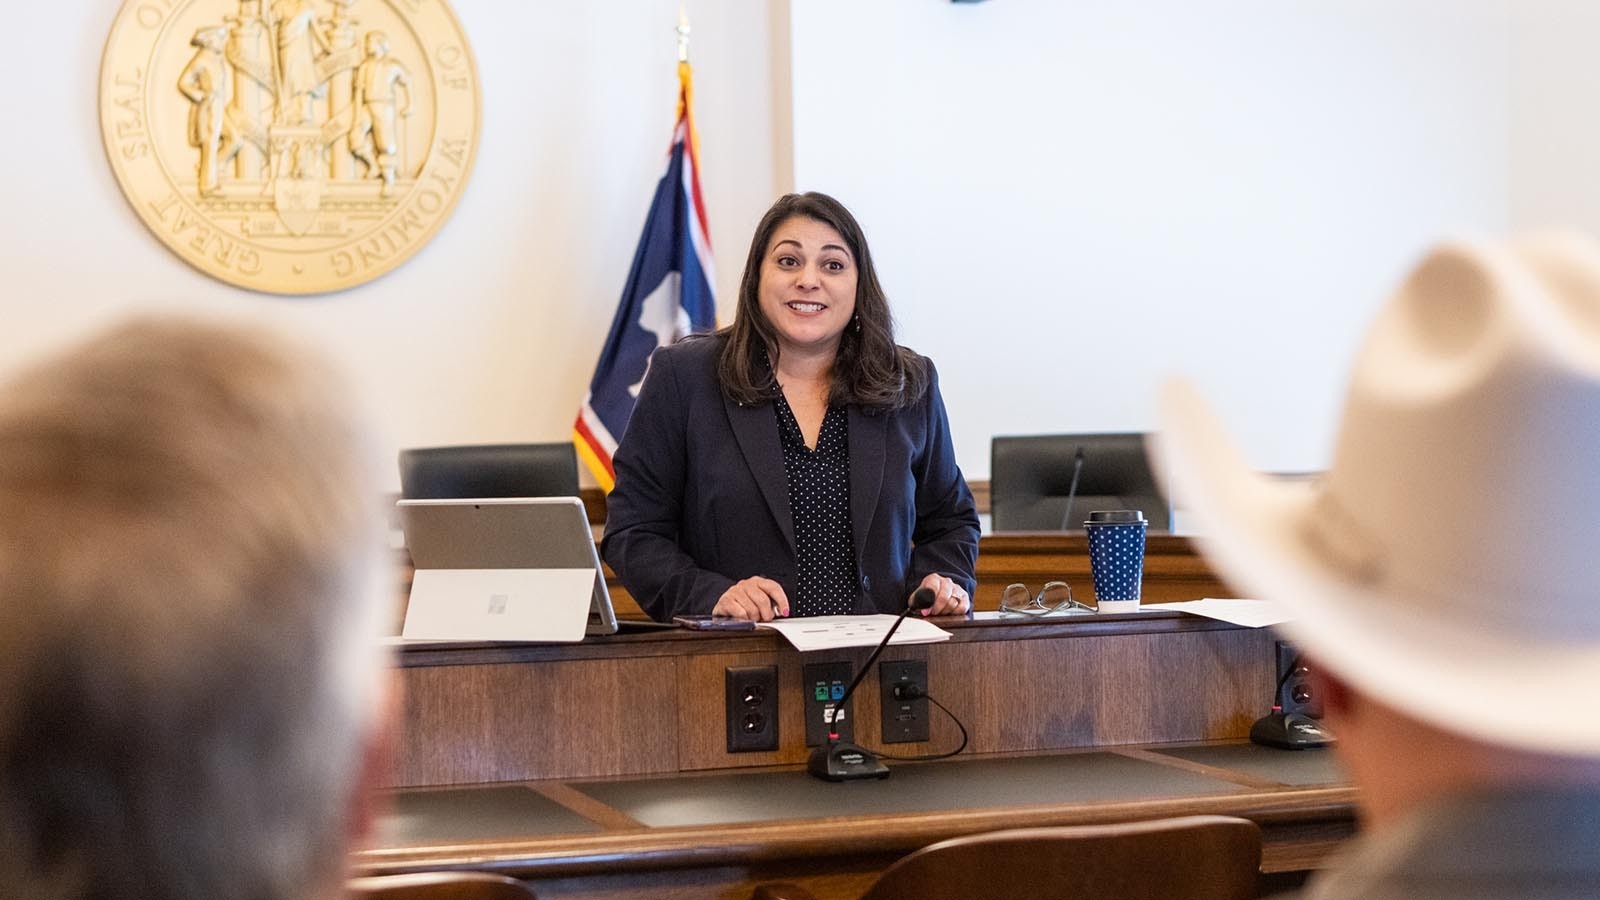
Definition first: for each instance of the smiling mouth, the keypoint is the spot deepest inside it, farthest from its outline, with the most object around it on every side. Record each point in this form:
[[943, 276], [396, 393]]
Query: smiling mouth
[[803, 306]]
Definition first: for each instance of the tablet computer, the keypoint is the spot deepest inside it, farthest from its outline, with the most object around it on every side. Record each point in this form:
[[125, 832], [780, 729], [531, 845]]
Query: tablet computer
[[504, 569]]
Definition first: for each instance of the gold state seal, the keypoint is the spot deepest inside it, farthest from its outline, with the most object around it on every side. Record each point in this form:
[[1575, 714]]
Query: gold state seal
[[290, 146]]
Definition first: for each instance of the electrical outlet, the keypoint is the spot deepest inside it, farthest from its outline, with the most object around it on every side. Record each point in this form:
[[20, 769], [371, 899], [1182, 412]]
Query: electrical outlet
[[824, 684], [1295, 693], [751, 708], [904, 719]]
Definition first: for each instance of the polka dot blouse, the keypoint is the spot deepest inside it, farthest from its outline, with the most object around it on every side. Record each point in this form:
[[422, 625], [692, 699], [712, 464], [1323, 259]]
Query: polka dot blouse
[[819, 500]]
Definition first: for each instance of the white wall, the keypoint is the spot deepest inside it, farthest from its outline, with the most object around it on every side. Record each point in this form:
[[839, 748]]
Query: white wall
[[1555, 132], [1066, 199], [1070, 200], [490, 332]]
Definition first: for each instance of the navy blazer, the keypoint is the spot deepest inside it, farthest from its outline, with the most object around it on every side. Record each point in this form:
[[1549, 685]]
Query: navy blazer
[[702, 499]]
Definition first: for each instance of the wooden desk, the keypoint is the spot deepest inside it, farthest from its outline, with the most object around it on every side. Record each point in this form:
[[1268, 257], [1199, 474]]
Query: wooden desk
[[600, 770], [719, 834], [653, 703]]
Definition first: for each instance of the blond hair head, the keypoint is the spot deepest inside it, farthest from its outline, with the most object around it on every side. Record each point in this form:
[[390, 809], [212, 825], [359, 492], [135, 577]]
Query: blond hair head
[[188, 617]]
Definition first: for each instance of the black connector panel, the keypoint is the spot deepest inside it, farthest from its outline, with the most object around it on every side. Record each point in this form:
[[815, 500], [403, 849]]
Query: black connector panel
[[824, 684], [903, 691]]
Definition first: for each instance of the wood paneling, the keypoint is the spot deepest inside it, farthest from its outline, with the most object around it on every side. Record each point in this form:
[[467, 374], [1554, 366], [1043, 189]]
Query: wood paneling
[[514, 722], [1017, 695], [1102, 691], [642, 704]]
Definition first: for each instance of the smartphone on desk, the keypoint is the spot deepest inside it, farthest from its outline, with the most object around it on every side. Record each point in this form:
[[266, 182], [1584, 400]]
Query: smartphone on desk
[[714, 623]]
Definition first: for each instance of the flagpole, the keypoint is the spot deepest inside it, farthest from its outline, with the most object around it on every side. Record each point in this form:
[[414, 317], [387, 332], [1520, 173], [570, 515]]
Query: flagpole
[[685, 89], [675, 241]]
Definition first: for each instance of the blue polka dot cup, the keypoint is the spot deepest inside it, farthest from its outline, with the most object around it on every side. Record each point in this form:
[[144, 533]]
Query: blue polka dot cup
[[1116, 557]]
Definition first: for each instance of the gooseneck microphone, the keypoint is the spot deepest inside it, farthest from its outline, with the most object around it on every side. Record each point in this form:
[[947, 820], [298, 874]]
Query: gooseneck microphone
[[839, 760], [1072, 489]]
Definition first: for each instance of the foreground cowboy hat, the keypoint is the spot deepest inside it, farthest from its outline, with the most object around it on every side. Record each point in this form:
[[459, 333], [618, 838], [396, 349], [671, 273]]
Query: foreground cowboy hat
[[1448, 563]]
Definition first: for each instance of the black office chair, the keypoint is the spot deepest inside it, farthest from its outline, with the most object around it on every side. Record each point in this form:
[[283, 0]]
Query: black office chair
[[1030, 477], [489, 470]]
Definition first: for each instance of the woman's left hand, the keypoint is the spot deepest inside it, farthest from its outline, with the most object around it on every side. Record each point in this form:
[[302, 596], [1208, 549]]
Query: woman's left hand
[[950, 598]]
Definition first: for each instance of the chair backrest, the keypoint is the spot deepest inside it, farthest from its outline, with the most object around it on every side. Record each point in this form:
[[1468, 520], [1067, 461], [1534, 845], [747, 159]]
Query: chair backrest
[[1030, 477], [438, 886], [1193, 858], [489, 470]]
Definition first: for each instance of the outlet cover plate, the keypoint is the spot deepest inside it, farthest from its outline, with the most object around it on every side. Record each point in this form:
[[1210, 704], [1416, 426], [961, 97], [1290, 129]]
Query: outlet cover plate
[[751, 708]]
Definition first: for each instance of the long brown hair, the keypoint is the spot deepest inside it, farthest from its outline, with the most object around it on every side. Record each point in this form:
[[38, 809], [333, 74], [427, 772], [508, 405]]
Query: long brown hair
[[871, 370]]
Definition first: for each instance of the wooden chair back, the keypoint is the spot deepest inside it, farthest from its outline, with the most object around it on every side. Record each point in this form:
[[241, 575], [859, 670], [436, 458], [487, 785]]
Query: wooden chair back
[[438, 886], [1193, 858]]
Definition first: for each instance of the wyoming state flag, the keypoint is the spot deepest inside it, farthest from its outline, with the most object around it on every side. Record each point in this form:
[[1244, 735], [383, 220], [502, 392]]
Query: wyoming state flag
[[668, 295]]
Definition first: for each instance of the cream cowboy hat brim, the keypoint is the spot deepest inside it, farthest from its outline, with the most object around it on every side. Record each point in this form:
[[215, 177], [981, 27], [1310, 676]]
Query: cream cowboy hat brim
[[1478, 389]]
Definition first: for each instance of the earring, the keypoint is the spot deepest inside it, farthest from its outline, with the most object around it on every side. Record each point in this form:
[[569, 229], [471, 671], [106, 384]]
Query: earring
[[855, 323]]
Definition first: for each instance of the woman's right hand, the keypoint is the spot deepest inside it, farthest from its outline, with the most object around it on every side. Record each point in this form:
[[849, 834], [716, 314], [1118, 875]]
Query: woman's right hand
[[755, 598]]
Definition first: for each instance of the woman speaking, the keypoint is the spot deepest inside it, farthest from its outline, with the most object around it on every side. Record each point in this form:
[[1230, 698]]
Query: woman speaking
[[799, 461]]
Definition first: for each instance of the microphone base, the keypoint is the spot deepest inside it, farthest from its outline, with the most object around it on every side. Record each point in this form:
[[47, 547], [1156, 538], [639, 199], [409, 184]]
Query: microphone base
[[844, 761], [1290, 731]]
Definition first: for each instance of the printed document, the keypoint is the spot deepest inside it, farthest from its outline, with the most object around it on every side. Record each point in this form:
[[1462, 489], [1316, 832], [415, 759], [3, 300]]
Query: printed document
[[1249, 613], [833, 632]]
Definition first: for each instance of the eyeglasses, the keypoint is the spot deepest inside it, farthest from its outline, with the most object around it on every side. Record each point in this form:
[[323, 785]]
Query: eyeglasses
[[1055, 596]]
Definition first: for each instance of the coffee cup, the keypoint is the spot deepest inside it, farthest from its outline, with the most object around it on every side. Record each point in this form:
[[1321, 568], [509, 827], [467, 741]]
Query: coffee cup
[[1116, 557]]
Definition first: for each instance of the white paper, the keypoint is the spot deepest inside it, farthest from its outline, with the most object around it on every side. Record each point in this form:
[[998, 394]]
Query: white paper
[[833, 632], [1249, 613]]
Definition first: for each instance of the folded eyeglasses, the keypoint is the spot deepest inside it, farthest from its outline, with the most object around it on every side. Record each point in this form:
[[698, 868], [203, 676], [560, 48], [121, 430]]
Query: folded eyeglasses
[[1055, 596]]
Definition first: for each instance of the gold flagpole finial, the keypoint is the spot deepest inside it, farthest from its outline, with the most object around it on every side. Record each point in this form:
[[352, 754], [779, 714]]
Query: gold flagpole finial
[[683, 35]]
